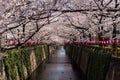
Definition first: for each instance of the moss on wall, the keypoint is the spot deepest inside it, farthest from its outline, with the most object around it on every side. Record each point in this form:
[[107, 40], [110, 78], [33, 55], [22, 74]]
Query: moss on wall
[[38, 54], [46, 50], [26, 59], [98, 64], [98, 60], [14, 62], [18, 57], [10, 64]]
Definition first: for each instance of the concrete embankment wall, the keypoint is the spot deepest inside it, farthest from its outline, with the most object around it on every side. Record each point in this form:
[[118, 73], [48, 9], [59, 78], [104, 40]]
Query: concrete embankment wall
[[95, 63], [21, 63]]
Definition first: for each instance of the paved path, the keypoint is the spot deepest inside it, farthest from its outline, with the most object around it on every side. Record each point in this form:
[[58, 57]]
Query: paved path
[[58, 68]]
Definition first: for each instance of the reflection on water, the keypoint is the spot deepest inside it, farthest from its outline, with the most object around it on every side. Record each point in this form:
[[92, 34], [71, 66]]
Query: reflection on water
[[35, 74], [61, 52], [58, 67]]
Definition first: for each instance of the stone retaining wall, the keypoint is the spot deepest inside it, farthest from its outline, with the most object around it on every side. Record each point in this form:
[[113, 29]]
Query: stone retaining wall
[[114, 69], [21, 63], [96, 63]]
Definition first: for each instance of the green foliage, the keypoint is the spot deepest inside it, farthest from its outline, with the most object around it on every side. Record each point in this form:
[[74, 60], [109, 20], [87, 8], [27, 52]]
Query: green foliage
[[10, 64], [18, 57], [46, 50], [98, 64], [26, 59], [38, 54], [98, 60], [14, 62], [19, 64], [43, 51]]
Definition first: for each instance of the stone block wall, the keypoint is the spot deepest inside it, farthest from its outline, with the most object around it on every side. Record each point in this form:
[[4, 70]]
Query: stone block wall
[[21, 63], [95, 63]]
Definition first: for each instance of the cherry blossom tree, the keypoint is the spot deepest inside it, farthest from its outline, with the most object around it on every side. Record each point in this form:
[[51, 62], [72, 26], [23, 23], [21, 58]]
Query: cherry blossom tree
[[22, 20]]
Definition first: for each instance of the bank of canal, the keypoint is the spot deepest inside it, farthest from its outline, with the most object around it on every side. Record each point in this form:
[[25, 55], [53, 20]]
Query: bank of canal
[[58, 67]]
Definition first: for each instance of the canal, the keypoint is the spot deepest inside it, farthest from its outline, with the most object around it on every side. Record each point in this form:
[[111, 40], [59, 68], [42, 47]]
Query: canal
[[58, 67]]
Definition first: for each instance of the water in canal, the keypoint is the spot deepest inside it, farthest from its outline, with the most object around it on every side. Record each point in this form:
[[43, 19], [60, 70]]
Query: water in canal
[[58, 67]]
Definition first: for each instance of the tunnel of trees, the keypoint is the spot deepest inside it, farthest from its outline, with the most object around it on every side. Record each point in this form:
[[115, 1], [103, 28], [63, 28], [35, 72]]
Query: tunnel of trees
[[24, 20], [30, 23]]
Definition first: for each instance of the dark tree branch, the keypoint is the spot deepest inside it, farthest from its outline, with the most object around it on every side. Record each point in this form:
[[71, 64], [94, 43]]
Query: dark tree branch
[[77, 27], [14, 27], [97, 5], [108, 4], [87, 9]]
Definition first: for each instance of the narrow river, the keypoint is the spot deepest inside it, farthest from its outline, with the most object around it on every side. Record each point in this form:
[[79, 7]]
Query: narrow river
[[58, 67]]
